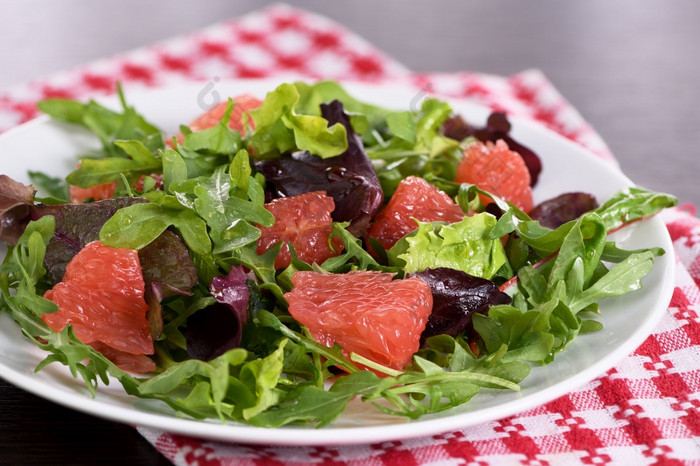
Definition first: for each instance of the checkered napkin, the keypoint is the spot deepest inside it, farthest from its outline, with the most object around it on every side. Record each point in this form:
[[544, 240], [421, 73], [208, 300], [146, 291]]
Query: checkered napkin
[[643, 411]]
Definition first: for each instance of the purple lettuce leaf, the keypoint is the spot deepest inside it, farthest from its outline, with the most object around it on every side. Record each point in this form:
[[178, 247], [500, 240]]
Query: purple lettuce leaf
[[16, 203], [218, 328], [167, 270], [76, 226], [456, 297], [348, 178], [167, 267], [563, 208], [497, 127]]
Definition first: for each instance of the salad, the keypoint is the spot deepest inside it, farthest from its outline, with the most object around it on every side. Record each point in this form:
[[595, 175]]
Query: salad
[[277, 258]]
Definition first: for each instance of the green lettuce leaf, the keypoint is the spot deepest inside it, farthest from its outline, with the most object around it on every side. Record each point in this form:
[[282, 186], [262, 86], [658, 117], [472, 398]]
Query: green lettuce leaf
[[464, 245], [279, 129]]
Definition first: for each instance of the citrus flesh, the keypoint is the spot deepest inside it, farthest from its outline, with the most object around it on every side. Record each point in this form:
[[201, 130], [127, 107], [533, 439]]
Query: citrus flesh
[[497, 169], [305, 222], [101, 296], [414, 199], [243, 104], [365, 312]]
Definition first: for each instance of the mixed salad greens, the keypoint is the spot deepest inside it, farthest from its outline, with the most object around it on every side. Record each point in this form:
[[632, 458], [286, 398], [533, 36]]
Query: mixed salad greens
[[508, 291]]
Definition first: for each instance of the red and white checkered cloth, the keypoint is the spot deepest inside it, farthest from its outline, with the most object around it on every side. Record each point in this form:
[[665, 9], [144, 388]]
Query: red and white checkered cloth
[[643, 411]]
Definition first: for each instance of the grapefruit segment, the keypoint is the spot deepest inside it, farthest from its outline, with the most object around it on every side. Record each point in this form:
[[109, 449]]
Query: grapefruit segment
[[243, 104], [106, 190], [137, 363], [417, 199], [96, 193], [102, 296], [365, 312], [305, 221], [497, 169]]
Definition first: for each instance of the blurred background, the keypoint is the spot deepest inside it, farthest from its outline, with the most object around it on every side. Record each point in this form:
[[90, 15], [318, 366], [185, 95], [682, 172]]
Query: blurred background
[[629, 66]]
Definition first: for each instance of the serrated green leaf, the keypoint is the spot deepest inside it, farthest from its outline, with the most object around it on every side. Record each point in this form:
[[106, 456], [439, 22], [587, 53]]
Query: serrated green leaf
[[261, 376], [463, 245], [279, 128]]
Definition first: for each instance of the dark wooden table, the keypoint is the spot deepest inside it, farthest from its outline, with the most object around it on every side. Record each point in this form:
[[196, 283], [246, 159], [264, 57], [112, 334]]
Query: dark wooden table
[[630, 67]]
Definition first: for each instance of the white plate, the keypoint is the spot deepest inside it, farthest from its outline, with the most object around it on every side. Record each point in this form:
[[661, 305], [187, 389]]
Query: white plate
[[51, 147]]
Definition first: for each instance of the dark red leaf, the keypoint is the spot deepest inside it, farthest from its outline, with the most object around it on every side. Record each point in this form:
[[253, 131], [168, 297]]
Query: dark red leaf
[[218, 328], [563, 208], [16, 202], [456, 297]]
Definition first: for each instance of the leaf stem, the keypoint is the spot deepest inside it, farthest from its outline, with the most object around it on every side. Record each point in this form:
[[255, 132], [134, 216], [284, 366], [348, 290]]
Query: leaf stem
[[374, 365]]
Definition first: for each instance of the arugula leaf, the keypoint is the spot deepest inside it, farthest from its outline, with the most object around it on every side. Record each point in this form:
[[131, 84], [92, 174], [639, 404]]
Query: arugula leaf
[[355, 257], [68, 110], [137, 225], [261, 376], [622, 278], [174, 168], [219, 139], [216, 205], [333, 355], [613, 253], [304, 403], [527, 335], [403, 125], [215, 371], [222, 201], [632, 204], [92, 172], [432, 389], [582, 245], [27, 256], [415, 146], [572, 282], [240, 172], [414, 393], [106, 124], [263, 266], [55, 188]]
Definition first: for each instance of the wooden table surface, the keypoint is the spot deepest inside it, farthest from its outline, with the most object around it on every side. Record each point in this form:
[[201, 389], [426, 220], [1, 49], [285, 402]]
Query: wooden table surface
[[630, 67]]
